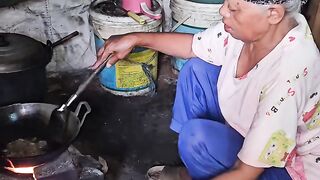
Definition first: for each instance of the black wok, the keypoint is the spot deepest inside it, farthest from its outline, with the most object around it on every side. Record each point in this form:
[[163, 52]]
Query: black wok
[[31, 120]]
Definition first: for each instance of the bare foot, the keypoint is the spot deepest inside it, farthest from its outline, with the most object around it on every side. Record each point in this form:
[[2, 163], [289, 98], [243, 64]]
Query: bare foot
[[168, 173]]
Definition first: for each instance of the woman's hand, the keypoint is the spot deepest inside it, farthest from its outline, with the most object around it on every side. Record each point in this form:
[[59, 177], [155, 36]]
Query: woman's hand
[[241, 171], [174, 44], [119, 46]]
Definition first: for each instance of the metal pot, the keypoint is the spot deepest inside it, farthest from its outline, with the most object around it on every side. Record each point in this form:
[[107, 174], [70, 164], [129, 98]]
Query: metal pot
[[22, 67], [8, 3], [29, 120]]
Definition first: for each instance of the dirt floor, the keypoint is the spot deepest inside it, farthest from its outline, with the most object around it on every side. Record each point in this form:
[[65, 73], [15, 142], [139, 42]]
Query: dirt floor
[[130, 133]]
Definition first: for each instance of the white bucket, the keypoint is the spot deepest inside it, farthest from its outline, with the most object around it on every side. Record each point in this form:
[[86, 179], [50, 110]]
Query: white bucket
[[200, 15], [107, 26], [129, 76], [192, 17]]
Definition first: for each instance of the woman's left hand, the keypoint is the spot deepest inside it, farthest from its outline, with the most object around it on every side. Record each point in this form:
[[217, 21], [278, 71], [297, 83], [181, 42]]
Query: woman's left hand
[[241, 171]]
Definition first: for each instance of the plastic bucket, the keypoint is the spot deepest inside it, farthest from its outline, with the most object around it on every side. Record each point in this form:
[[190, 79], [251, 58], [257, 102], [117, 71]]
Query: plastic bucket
[[134, 75], [177, 62], [193, 17]]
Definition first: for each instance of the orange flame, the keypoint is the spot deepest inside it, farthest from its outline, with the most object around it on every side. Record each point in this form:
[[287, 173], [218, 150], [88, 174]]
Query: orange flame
[[21, 170]]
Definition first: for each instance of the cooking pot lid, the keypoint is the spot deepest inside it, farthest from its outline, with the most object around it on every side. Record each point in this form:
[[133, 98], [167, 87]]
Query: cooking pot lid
[[19, 52]]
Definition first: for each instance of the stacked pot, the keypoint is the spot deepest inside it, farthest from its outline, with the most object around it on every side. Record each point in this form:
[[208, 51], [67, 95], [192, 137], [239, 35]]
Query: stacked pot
[[22, 69]]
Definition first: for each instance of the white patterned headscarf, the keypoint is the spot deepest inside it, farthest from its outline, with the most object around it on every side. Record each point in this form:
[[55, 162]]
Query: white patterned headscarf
[[268, 2]]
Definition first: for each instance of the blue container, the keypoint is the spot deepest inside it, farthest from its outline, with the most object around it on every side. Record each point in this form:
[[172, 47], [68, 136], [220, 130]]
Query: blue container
[[98, 42], [176, 62], [130, 78], [195, 16]]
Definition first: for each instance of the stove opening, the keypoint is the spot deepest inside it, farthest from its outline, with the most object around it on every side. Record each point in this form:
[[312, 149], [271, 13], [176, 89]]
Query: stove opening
[[21, 170]]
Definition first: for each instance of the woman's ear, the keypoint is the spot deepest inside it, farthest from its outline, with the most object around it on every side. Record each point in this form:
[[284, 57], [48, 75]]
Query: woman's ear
[[276, 13]]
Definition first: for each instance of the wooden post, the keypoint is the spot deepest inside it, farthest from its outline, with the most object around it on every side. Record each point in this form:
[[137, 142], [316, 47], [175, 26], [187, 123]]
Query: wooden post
[[314, 20]]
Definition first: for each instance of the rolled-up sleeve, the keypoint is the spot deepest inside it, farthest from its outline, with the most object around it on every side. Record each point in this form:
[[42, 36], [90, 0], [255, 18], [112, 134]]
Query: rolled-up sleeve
[[211, 44]]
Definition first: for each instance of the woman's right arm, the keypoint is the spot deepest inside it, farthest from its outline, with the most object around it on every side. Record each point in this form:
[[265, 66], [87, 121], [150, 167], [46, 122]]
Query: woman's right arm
[[174, 44]]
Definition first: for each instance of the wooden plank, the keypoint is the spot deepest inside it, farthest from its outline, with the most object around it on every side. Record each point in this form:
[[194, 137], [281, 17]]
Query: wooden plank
[[313, 15]]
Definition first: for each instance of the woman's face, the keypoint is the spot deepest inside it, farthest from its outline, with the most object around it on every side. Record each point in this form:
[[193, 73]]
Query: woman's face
[[244, 20]]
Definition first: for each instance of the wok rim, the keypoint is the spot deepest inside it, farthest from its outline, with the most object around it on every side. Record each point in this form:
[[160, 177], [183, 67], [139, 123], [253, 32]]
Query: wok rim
[[47, 157]]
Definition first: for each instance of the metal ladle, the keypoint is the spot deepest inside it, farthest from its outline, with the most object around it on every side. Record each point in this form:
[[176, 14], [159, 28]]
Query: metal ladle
[[58, 123]]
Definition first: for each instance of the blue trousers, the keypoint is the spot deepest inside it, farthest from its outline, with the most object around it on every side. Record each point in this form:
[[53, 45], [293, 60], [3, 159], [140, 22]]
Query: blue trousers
[[206, 145]]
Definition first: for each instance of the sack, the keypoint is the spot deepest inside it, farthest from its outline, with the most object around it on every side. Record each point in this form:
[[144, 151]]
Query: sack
[[51, 20], [7, 3]]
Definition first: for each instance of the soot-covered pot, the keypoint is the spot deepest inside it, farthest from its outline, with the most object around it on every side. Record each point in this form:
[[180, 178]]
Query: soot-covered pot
[[23, 63]]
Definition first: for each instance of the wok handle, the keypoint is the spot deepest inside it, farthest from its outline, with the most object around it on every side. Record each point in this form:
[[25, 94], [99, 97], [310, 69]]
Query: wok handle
[[77, 111], [64, 39]]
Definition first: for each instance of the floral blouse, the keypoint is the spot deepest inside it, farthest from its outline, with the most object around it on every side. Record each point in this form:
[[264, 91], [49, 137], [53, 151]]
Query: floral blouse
[[276, 105]]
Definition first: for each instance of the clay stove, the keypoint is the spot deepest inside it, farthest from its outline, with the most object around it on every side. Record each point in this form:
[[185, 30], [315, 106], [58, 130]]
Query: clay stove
[[70, 165]]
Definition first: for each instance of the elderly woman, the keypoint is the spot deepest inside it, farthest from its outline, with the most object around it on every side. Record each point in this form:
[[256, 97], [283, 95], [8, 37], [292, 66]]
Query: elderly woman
[[249, 108]]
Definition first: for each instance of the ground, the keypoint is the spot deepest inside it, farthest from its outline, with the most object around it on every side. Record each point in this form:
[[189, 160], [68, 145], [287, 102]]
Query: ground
[[130, 133]]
